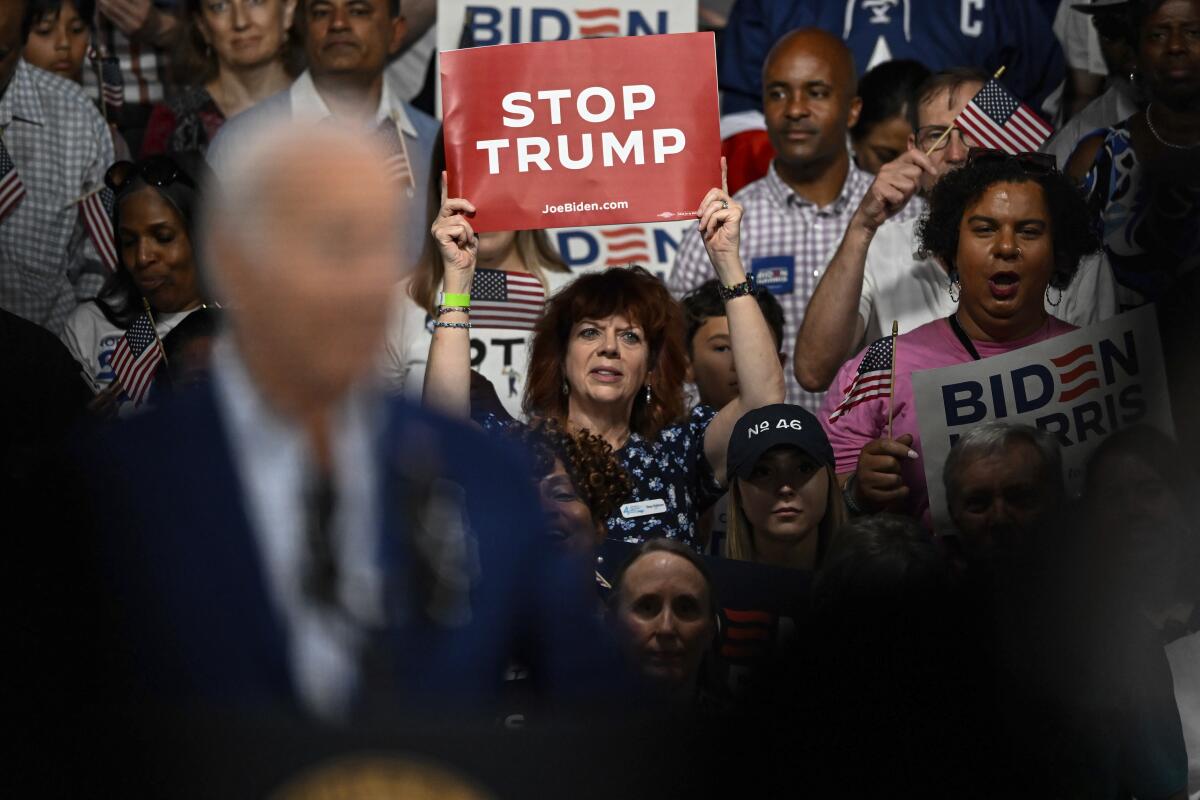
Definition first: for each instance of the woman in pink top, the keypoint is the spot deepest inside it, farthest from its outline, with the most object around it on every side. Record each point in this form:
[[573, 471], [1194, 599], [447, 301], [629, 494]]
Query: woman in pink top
[[1010, 231]]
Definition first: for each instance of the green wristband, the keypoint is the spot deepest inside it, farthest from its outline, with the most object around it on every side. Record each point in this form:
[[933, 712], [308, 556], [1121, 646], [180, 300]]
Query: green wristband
[[455, 300]]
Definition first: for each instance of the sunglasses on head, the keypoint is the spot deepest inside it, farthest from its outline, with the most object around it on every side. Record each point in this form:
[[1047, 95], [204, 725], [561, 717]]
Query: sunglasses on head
[[1032, 163], [157, 171]]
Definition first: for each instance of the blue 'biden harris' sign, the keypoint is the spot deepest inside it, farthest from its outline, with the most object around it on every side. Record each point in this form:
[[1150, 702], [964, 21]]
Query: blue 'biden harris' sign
[[1081, 387]]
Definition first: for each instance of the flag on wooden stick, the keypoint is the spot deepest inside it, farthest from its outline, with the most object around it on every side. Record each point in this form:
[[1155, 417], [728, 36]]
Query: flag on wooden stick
[[136, 358], [872, 379], [999, 121], [11, 188], [96, 210]]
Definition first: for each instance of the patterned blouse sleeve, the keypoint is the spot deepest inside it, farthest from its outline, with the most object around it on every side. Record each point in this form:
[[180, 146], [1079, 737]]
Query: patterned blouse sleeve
[[704, 480], [493, 423]]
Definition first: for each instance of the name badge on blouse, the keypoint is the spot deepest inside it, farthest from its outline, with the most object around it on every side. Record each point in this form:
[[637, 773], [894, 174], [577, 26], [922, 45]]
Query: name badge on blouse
[[777, 273], [643, 508]]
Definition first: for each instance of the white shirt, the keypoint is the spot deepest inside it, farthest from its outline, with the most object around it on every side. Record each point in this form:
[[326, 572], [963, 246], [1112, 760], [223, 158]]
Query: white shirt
[[91, 339], [899, 285], [307, 104], [502, 356], [272, 458], [1080, 42], [1118, 102]]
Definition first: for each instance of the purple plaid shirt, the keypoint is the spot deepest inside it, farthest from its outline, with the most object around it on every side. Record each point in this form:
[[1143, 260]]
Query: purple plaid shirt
[[786, 244]]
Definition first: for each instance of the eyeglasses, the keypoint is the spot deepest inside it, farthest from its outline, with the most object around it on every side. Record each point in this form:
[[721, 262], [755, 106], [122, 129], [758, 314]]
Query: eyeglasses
[[928, 135], [1032, 163], [157, 171]]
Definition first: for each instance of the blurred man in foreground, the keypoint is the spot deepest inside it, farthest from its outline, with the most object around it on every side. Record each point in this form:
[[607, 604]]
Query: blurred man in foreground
[[287, 540]]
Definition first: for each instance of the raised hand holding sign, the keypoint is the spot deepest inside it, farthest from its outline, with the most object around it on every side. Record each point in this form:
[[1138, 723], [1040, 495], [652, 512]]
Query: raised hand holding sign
[[584, 132]]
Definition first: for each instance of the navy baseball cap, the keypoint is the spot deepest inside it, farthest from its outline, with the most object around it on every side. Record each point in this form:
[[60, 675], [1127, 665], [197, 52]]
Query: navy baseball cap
[[763, 428]]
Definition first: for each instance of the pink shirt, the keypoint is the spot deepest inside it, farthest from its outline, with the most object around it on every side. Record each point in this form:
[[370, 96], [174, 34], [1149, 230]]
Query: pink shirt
[[930, 346]]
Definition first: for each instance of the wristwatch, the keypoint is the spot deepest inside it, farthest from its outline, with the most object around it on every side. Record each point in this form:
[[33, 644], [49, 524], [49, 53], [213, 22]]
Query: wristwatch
[[747, 286]]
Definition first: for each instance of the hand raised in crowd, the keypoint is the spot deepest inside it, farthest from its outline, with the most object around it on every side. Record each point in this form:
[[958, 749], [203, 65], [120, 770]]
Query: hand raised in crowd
[[136, 18], [877, 481], [456, 241], [720, 226], [896, 183]]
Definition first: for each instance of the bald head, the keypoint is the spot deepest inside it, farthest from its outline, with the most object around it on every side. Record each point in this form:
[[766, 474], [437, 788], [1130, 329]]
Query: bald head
[[819, 45], [302, 240], [810, 102]]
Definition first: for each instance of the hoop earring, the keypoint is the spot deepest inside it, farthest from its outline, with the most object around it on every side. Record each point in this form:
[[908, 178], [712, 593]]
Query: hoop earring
[[1054, 303], [955, 289], [566, 389]]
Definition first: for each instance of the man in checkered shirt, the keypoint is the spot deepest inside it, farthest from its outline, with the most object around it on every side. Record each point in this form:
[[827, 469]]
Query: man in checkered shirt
[[61, 148], [794, 217]]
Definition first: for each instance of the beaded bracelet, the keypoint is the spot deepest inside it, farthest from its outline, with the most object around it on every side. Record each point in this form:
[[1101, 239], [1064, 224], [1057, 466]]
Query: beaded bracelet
[[447, 309], [463, 325], [852, 505]]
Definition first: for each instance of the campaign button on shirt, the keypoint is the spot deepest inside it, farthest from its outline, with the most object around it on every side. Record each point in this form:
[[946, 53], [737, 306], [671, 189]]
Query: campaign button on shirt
[[776, 273]]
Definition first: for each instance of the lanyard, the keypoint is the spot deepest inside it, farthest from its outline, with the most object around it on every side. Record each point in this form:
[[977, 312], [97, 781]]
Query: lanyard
[[967, 344]]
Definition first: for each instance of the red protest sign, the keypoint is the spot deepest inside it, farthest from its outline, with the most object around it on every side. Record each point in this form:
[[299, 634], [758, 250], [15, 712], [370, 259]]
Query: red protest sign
[[582, 132]]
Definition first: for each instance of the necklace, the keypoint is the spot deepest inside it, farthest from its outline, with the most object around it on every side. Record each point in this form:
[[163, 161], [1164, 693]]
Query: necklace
[[1161, 140]]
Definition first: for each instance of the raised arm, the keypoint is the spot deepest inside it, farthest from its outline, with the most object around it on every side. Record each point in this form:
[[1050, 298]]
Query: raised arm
[[832, 327], [448, 373], [760, 376]]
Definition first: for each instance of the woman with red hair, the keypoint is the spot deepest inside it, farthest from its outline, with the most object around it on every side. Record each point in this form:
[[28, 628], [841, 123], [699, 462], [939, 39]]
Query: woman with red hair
[[608, 357]]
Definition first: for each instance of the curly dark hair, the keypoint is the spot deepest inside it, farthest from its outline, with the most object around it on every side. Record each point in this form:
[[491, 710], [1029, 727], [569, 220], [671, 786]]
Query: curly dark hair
[[599, 478], [1071, 224], [644, 299]]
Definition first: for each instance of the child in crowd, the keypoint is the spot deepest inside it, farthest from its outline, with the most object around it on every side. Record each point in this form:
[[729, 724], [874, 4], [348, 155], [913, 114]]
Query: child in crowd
[[711, 370]]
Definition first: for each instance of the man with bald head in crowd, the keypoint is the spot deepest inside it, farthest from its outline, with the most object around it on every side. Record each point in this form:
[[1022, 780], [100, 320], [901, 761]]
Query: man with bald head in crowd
[[795, 216], [309, 545]]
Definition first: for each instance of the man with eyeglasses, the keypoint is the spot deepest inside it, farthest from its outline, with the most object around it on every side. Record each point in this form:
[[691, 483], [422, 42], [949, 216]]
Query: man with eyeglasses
[[55, 148], [877, 274]]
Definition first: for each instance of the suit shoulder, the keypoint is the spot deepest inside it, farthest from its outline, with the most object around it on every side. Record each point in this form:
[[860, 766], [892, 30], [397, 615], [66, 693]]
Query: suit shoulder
[[452, 442]]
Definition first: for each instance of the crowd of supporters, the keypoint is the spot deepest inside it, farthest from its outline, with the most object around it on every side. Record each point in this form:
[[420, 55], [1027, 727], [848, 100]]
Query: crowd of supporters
[[290, 464]]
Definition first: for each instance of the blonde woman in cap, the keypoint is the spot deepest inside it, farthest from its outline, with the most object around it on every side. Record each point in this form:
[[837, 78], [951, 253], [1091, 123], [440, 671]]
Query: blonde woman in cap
[[784, 501]]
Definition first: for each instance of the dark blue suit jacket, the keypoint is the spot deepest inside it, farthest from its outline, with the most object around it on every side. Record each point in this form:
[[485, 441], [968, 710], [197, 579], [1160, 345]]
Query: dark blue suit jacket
[[189, 617]]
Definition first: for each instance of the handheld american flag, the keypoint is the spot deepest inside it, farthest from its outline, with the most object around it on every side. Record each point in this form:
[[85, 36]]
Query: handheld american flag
[[136, 358], [873, 378], [11, 188], [112, 82], [510, 300], [999, 121], [96, 210]]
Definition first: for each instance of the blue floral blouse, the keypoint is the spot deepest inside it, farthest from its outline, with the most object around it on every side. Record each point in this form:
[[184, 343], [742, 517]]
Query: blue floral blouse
[[673, 483]]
